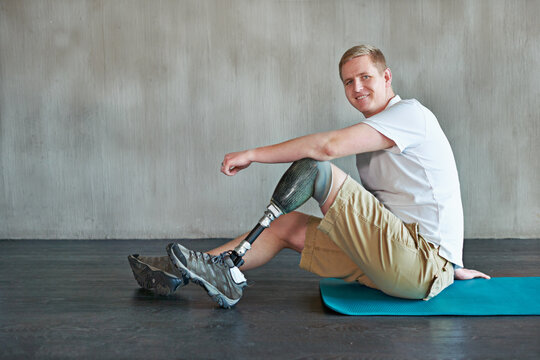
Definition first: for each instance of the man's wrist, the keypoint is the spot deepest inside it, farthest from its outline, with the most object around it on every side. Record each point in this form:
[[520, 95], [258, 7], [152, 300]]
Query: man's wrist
[[251, 155]]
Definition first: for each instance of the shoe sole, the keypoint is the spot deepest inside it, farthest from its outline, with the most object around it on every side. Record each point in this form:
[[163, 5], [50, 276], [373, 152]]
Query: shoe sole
[[212, 291], [150, 278]]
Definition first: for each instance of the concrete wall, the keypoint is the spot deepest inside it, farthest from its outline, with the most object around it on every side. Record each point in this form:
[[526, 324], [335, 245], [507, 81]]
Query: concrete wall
[[115, 115]]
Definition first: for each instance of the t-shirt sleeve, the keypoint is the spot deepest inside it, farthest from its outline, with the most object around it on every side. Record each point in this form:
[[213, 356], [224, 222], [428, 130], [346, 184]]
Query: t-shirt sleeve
[[404, 123]]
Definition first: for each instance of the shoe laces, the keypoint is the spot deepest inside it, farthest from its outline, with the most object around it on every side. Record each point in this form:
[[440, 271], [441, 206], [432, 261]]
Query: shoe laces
[[216, 259], [220, 259]]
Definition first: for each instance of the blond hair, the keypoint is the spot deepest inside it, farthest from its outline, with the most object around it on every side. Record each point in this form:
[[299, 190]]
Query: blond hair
[[376, 56]]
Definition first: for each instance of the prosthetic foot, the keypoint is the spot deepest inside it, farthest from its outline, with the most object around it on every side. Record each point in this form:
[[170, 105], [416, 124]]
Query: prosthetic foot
[[304, 179], [223, 282], [156, 274]]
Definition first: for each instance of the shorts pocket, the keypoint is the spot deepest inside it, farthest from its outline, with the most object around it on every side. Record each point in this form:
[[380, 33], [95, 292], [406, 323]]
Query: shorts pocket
[[435, 288], [443, 279]]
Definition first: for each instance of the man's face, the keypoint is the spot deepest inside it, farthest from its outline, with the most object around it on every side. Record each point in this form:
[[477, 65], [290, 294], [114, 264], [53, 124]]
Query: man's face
[[365, 87]]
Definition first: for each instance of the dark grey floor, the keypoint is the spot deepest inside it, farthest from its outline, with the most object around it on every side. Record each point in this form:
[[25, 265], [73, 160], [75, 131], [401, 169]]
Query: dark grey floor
[[77, 299]]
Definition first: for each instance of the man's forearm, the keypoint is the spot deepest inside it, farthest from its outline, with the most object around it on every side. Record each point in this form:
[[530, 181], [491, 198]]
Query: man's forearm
[[309, 146]]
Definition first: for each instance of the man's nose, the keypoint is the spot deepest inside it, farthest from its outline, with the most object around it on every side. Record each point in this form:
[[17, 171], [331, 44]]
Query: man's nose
[[357, 85]]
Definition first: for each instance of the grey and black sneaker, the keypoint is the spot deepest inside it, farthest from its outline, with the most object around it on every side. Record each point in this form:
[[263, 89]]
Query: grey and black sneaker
[[156, 273], [223, 281]]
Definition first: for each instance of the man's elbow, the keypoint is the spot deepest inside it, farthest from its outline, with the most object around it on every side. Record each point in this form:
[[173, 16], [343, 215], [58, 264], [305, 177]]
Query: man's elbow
[[330, 151]]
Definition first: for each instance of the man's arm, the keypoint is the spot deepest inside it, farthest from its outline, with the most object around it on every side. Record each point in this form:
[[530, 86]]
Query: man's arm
[[355, 139]]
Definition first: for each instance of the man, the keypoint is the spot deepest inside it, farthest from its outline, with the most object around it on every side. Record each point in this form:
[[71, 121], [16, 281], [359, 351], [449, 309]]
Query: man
[[401, 232]]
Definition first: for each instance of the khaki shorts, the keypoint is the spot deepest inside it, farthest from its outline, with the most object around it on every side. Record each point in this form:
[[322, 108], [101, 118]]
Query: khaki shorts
[[360, 240]]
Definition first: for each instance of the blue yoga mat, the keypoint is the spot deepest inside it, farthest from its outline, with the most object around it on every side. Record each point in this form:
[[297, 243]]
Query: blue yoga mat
[[497, 296]]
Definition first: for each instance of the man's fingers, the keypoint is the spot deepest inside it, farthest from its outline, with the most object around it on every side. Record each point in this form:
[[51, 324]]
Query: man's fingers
[[482, 275], [478, 274], [467, 274], [232, 165], [229, 170]]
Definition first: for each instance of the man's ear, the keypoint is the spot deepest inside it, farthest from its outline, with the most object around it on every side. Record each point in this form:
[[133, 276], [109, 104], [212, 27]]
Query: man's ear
[[388, 77]]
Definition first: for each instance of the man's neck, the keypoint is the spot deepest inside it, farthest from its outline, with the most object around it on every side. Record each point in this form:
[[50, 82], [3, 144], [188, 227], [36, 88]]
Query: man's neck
[[390, 95]]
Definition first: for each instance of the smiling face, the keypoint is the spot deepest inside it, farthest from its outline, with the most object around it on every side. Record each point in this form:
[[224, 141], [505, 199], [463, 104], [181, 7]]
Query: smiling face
[[367, 88]]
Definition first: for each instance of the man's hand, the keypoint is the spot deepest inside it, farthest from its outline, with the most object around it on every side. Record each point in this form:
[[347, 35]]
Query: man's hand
[[234, 162], [467, 274]]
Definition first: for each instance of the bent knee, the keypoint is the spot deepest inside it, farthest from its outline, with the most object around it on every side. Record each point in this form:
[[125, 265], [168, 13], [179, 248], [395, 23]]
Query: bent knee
[[291, 229]]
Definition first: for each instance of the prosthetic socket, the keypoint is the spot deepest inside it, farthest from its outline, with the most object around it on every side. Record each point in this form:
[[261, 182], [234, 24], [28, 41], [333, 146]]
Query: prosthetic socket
[[304, 179]]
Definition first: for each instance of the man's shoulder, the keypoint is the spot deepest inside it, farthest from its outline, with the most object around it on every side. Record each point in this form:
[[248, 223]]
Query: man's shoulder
[[413, 107], [408, 102], [405, 107]]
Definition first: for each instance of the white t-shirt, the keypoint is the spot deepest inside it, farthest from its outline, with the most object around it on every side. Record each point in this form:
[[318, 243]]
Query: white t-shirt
[[417, 179]]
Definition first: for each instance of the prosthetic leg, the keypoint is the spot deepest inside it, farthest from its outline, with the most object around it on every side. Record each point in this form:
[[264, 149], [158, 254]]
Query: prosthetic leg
[[304, 179]]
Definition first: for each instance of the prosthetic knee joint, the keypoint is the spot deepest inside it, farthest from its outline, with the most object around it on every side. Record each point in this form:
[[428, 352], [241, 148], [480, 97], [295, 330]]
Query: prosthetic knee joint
[[304, 179]]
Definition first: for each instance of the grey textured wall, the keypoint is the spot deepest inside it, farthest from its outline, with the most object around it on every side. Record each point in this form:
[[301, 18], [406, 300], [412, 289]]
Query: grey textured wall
[[115, 115]]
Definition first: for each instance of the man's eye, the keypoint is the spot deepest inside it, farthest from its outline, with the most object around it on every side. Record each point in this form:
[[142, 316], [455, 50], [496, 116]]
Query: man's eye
[[348, 82], [365, 77]]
